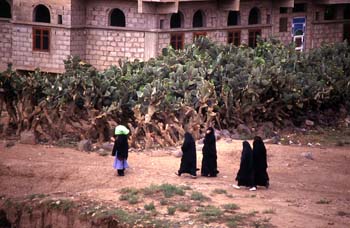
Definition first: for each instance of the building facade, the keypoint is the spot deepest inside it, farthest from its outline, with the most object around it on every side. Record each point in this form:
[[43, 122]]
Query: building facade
[[42, 33]]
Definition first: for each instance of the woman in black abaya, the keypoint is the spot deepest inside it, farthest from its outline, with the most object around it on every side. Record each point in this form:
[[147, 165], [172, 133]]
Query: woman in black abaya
[[261, 177], [245, 174], [209, 161], [189, 157]]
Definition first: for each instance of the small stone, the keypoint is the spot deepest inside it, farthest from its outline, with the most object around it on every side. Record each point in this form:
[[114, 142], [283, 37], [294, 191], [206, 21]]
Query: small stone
[[308, 155], [309, 123], [28, 137], [85, 145]]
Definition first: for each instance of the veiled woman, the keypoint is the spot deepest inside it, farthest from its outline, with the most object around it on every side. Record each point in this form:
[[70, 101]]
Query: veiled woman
[[261, 177], [189, 156], [120, 151], [245, 174], [209, 161]]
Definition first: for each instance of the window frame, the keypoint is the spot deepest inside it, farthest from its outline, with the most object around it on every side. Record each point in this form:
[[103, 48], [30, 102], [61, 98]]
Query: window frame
[[234, 37], [198, 34], [179, 39], [283, 27], [255, 31], [42, 30]]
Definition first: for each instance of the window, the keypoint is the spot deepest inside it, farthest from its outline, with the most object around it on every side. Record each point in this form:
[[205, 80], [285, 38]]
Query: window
[[161, 24], [330, 12], [233, 18], [177, 40], [117, 18], [234, 37], [59, 19], [299, 8], [176, 20], [254, 16], [196, 35], [347, 11], [268, 19], [5, 9], [346, 32], [317, 16], [42, 14], [198, 19], [252, 39], [283, 24], [283, 10], [41, 39]]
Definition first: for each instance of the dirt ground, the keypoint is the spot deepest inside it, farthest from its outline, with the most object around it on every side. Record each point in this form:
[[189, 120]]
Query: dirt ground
[[303, 192]]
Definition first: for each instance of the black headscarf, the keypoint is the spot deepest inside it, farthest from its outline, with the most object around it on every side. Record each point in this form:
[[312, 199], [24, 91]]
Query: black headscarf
[[121, 147]]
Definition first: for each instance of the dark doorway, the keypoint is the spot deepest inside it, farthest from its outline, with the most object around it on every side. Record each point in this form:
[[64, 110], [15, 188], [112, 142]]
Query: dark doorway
[[117, 18], [233, 18], [198, 19], [176, 20], [42, 14], [254, 16], [5, 9]]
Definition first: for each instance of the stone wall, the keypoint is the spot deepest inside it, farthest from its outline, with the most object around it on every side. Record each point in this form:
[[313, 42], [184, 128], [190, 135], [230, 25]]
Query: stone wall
[[23, 10], [106, 47], [85, 30], [25, 58], [5, 43], [98, 12], [326, 33]]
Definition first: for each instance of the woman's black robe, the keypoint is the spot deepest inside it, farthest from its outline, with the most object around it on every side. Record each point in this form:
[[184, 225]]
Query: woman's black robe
[[189, 157], [245, 173], [261, 177], [209, 161]]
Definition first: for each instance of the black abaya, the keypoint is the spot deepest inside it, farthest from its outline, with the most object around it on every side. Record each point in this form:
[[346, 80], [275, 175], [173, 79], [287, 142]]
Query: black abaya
[[245, 174], [209, 161], [260, 163], [189, 157]]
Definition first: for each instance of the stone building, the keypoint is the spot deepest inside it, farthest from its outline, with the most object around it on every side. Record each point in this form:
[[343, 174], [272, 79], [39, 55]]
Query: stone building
[[42, 33]]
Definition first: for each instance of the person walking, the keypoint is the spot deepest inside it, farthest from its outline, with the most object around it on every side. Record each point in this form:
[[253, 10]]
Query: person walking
[[189, 156], [245, 174], [121, 150], [261, 177], [209, 161]]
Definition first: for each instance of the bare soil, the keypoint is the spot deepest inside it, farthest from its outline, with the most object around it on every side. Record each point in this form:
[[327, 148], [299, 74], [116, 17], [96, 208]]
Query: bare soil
[[303, 192]]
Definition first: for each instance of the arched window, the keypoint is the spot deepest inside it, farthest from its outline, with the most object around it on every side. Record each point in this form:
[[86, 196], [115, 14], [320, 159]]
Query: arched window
[[5, 9], [42, 14], [117, 18], [176, 20], [198, 19], [254, 16], [233, 18]]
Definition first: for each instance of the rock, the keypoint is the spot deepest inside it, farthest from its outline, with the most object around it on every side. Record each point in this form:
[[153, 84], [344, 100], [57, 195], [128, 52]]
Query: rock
[[225, 133], [107, 146], [9, 144], [309, 123], [307, 155], [85, 145], [28, 137], [244, 130], [102, 152], [177, 154]]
